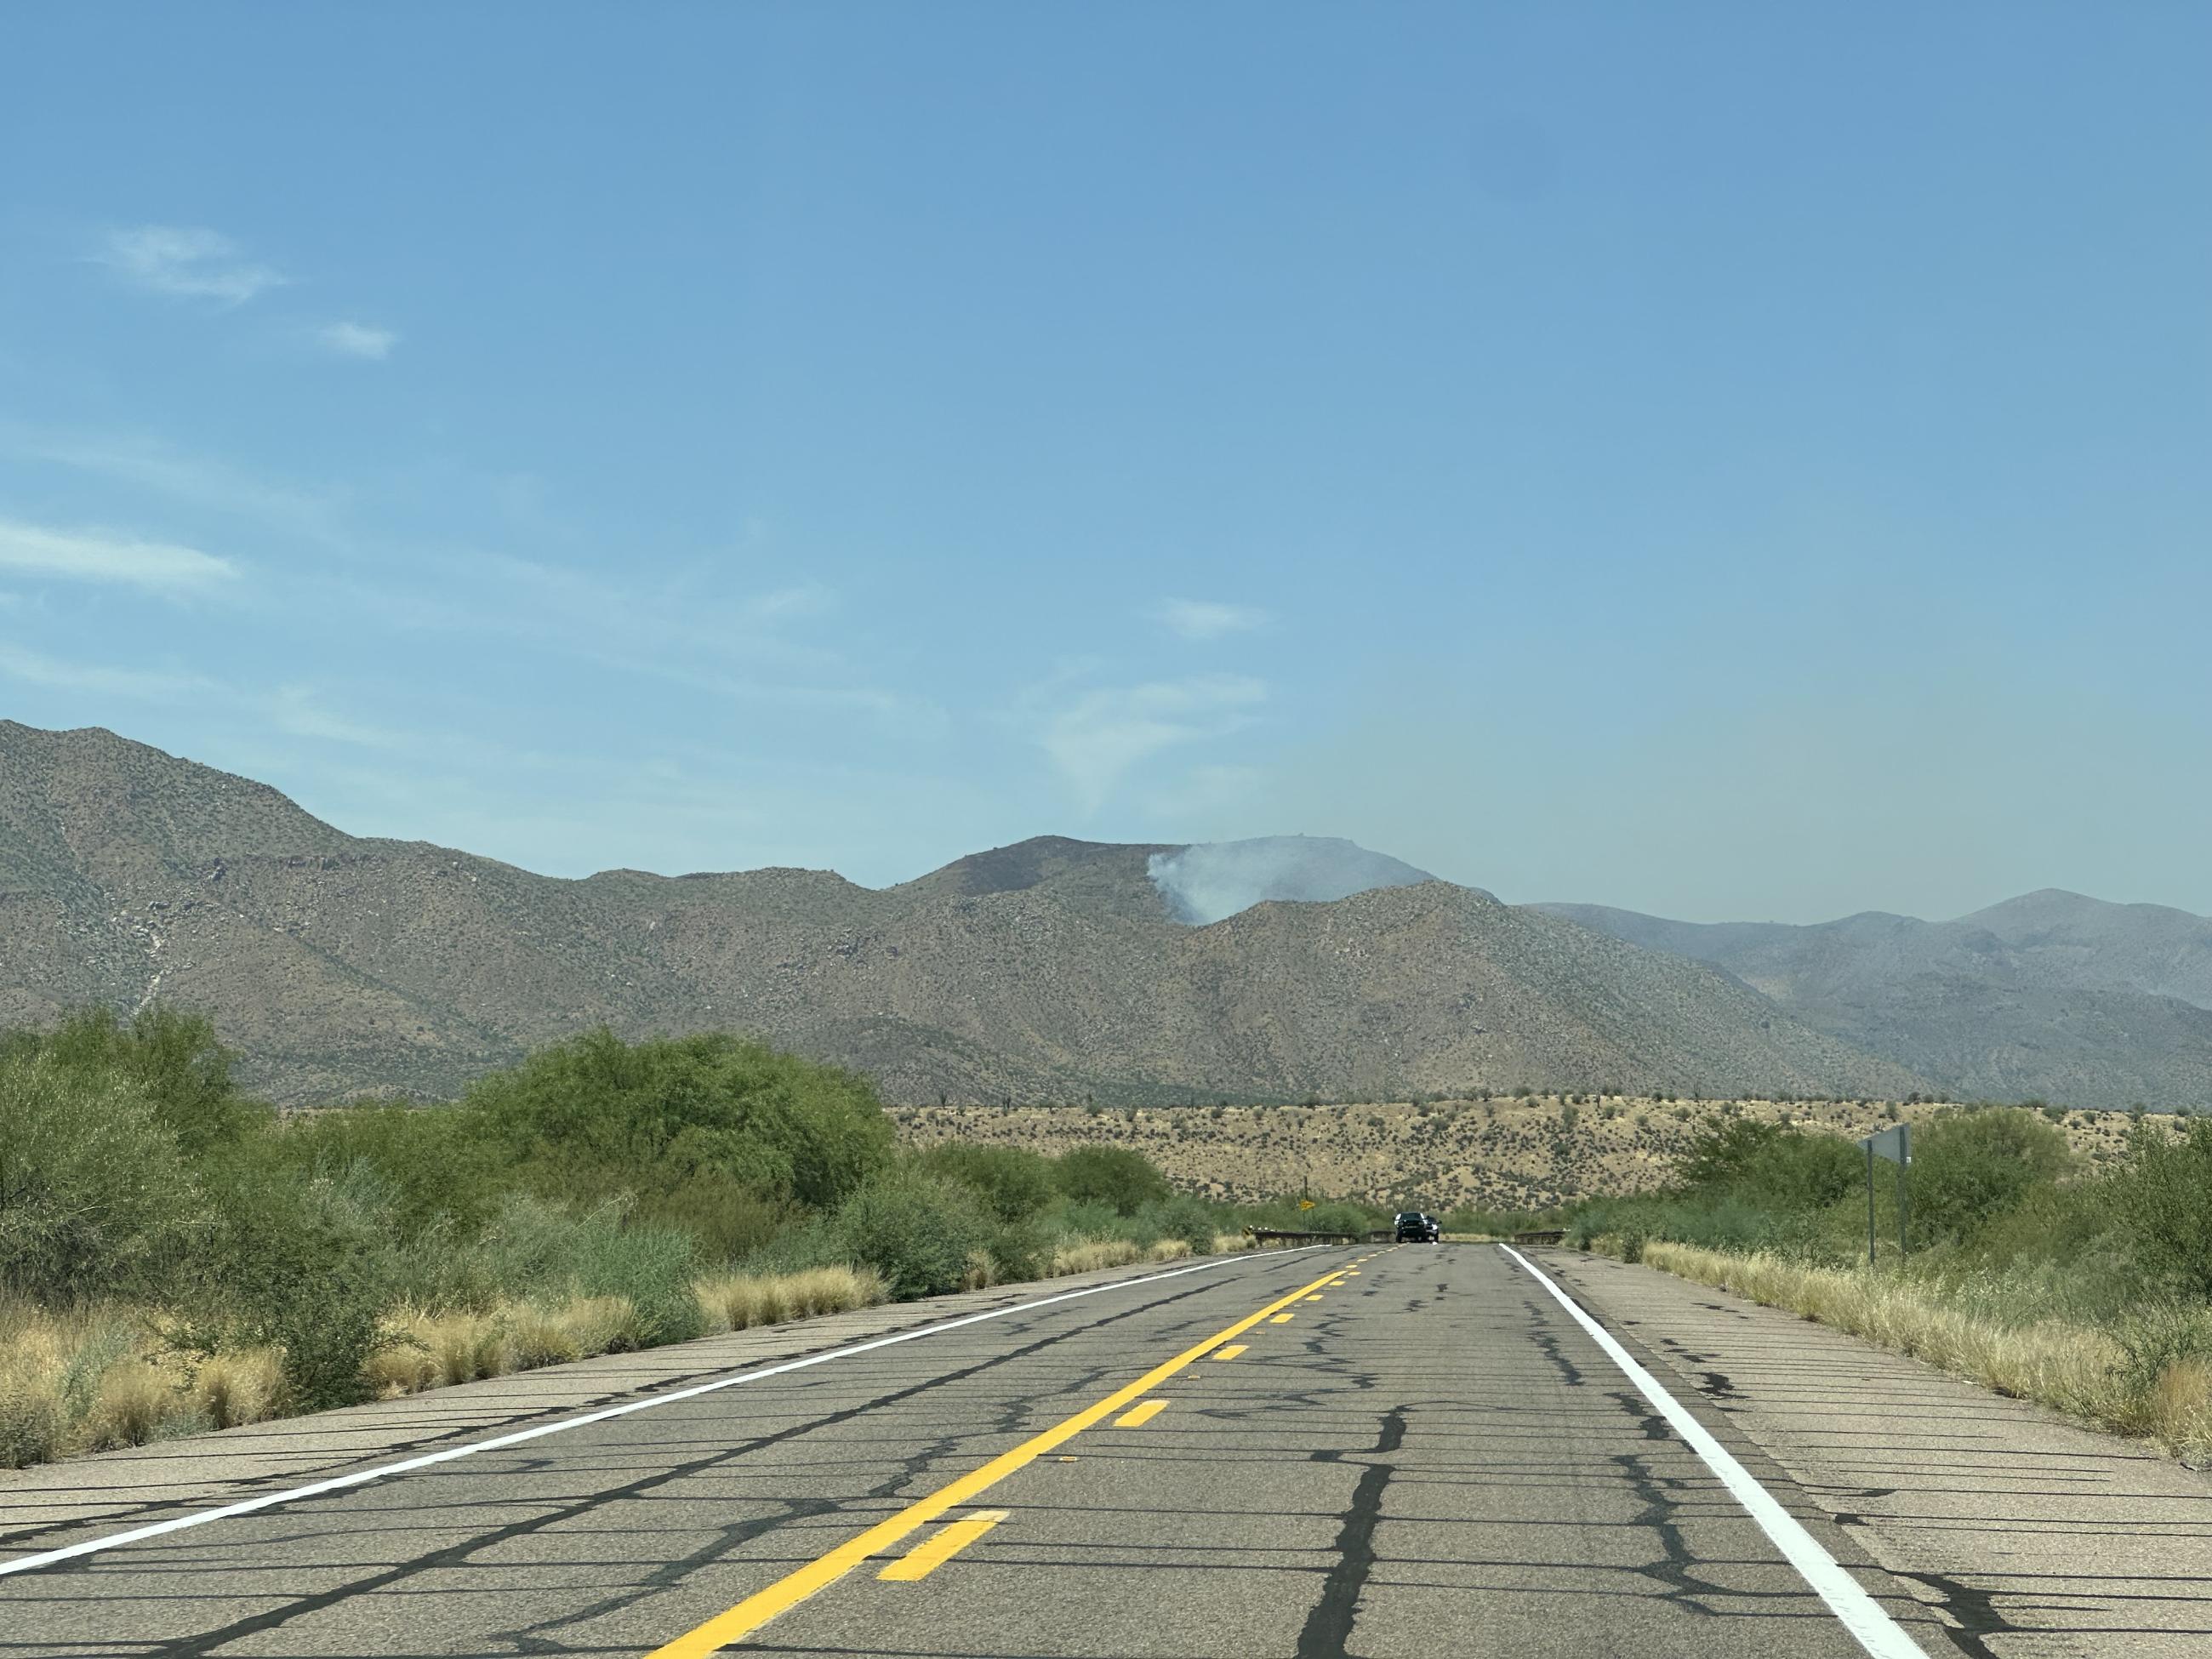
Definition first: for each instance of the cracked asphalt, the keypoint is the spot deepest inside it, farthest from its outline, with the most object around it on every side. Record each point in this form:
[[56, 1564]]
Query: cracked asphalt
[[1430, 1459]]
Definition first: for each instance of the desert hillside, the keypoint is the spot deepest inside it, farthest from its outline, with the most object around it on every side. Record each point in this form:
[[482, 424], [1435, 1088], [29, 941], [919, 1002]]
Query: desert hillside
[[1050, 970], [2051, 993], [1532, 1153]]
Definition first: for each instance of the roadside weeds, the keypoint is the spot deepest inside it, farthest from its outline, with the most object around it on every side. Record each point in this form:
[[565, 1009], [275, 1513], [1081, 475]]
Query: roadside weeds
[[2142, 1380], [101, 1377]]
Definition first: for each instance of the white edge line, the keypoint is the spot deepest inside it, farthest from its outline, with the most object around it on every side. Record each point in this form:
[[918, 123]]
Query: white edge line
[[362, 1477], [1874, 1629]]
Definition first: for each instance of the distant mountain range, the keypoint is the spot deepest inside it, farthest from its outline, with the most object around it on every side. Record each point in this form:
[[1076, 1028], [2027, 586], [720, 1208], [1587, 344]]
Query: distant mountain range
[[1050, 970], [2050, 994]]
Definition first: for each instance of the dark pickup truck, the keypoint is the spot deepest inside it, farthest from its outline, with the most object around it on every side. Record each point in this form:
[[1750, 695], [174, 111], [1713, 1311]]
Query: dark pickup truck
[[1414, 1227]]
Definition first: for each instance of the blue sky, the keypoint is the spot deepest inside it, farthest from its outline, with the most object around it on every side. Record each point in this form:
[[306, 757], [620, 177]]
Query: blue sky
[[1724, 459]]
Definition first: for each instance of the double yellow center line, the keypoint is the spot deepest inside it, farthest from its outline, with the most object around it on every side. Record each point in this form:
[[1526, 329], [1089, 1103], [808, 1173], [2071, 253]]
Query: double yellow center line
[[788, 1592]]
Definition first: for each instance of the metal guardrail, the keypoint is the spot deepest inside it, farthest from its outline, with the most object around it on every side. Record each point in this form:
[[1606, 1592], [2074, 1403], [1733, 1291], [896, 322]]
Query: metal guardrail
[[1291, 1236], [1548, 1236]]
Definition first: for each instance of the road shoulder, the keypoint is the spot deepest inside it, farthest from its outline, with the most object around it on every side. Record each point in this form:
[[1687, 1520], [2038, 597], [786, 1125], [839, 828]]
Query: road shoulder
[[2035, 1537]]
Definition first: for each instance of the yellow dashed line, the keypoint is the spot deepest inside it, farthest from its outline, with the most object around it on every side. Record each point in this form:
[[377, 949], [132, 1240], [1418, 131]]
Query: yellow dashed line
[[948, 1541], [825, 1570]]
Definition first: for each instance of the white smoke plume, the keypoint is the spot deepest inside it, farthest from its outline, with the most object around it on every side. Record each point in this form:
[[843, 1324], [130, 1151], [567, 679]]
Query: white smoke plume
[[1213, 879]]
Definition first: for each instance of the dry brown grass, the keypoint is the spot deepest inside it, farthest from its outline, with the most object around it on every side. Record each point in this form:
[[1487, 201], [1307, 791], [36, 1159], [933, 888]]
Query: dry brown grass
[[536, 1336], [241, 1386], [424, 1349], [135, 1401], [101, 1378], [33, 1357], [98, 1377], [2073, 1368], [1089, 1254], [2177, 1409], [427, 1350], [399, 1367], [599, 1324], [738, 1302]]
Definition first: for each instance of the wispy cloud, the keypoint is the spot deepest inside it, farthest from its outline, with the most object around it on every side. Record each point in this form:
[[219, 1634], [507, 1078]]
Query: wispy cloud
[[1203, 619], [347, 339], [1097, 739], [189, 262], [810, 599], [55, 675], [1202, 793], [744, 648], [161, 468], [634, 619], [298, 713], [100, 556]]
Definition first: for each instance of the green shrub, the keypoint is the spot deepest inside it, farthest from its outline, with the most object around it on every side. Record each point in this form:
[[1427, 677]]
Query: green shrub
[[1767, 1164], [653, 1268], [655, 1113], [95, 1196], [1192, 1220], [2157, 1335], [1968, 1169], [916, 1230], [304, 1266], [1088, 1220], [433, 1161], [2162, 1195], [1339, 1217], [1723, 1223], [730, 1219], [173, 1059], [2050, 1220], [1016, 1184], [529, 1250], [1019, 1249], [547, 1253], [1111, 1174]]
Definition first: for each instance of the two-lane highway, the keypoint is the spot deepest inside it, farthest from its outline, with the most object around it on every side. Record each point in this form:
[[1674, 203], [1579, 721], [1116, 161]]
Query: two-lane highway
[[1416, 1449]]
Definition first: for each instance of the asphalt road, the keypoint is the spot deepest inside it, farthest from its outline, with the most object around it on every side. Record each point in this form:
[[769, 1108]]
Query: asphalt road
[[1413, 1451]]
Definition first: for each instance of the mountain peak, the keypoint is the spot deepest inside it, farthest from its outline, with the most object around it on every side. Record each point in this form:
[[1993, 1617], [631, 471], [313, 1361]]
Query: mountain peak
[[1022, 865], [1209, 880]]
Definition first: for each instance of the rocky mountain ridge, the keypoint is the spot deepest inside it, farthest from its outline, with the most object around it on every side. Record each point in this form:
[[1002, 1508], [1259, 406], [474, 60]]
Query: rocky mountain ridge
[[2052, 994], [1053, 969]]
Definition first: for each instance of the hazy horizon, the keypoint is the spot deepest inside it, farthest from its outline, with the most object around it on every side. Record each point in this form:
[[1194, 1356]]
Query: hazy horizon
[[1269, 844], [1576, 451]]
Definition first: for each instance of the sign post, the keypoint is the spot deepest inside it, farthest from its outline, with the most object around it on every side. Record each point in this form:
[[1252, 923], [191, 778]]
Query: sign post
[[1895, 1144], [1868, 1144]]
